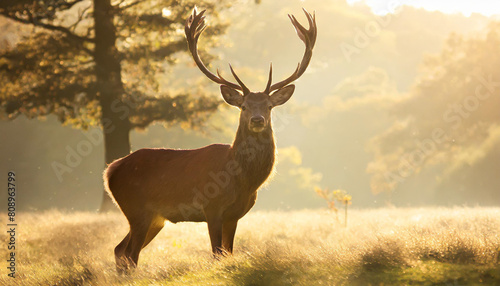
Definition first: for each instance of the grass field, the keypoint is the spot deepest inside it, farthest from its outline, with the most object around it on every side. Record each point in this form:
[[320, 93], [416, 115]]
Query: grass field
[[427, 246]]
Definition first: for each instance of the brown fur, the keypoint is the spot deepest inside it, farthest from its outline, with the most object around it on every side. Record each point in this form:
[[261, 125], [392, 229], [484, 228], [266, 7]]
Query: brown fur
[[216, 184]]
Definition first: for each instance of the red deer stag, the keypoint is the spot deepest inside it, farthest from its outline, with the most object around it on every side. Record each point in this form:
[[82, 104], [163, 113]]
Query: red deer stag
[[216, 184]]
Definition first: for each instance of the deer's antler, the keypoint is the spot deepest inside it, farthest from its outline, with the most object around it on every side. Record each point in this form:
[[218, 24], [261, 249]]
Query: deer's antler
[[308, 36], [195, 25]]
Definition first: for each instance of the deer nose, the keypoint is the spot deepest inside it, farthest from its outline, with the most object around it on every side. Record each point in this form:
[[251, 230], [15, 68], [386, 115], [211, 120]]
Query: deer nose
[[258, 120]]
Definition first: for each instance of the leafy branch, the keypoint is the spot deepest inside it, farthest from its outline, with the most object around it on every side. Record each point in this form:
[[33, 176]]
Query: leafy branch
[[332, 196]]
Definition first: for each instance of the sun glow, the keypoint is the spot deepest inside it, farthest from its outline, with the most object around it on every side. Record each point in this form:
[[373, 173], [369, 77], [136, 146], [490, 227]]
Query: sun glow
[[165, 12], [467, 8]]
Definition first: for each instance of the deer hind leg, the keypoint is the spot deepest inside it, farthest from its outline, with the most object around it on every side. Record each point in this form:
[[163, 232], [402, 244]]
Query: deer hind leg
[[228, 231], [139, 228], [121, 260]]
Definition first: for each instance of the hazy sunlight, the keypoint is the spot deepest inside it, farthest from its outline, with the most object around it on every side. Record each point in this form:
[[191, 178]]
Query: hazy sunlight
[[485, 7]]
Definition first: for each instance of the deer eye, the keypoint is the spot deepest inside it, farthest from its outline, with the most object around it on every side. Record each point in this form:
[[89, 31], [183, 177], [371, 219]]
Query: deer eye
[[270, 107], [243, 108]]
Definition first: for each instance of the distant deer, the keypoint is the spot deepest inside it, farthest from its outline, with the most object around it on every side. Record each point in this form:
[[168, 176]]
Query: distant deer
[[217, 183]]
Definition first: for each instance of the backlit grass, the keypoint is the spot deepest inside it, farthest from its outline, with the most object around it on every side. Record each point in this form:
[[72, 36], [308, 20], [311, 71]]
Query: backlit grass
[[428, 246]]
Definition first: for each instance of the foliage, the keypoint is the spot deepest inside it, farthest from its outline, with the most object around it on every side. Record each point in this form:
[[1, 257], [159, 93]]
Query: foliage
[[51, 70], [330, 197], [290, 183], [354, 111], [449, 123], [428, 246]]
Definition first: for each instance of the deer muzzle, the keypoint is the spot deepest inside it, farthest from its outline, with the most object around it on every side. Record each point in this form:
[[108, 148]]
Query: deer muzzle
[[257, 123]]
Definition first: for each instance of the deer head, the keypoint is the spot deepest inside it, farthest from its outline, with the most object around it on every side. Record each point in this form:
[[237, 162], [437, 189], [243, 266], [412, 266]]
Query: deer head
[[255, 106]]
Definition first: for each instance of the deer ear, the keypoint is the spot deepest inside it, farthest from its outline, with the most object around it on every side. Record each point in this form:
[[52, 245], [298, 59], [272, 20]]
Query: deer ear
[[231, 95], [282, 95]]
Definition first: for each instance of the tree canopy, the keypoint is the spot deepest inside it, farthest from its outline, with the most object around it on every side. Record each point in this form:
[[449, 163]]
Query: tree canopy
[[96, 63], [449, 123], [51, 70]]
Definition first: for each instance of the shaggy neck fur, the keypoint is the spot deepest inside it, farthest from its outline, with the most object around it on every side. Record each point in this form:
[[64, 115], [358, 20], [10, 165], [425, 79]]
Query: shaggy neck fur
[[255, 154]]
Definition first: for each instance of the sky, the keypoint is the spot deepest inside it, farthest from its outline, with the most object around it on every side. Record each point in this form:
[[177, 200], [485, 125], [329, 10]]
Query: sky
[[485, 7]]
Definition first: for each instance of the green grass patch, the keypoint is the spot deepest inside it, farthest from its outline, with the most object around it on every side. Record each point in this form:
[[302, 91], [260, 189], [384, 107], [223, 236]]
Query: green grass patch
[[431, 273]]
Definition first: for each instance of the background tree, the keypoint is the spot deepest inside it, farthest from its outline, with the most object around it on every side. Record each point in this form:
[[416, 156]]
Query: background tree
[[449, 125], [96, 63]]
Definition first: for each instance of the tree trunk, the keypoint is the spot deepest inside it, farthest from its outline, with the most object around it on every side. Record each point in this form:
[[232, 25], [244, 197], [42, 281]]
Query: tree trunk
[[115, 121]]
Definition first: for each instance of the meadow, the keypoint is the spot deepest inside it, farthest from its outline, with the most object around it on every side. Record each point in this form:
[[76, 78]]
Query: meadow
[[392, 246]]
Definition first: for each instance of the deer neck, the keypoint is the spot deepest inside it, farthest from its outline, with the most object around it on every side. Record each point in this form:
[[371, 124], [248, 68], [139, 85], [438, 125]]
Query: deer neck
[[254, 152]]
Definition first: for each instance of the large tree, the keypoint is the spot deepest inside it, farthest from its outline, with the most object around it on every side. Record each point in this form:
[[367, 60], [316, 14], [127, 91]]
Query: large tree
[[96, 63], [445, 141]]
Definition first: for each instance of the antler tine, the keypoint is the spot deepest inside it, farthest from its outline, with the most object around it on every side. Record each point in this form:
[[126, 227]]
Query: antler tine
[[308, 36], [195, 25], [243, 87], [269, 81]]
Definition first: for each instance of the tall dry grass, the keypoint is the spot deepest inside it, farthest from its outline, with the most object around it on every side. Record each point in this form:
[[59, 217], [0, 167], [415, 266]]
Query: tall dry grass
[[272, 248]]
